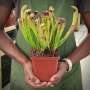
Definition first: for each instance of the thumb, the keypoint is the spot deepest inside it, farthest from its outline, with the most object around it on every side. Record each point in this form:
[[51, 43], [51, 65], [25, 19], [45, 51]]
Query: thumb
[[33, 78], [37, 81], [54, 78]]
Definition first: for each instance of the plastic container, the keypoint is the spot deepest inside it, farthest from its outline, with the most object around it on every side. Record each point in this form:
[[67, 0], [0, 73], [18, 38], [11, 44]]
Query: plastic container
[[44, 67]]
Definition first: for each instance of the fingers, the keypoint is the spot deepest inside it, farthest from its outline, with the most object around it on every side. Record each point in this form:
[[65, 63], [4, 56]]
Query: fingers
[[35, 82], [39, 85], [51, 85], [31, 79], [55, 79]]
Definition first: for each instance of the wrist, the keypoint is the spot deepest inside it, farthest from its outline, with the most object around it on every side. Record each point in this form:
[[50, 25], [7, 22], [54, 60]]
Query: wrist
[[64, 65], [26, 63], [23, 60], [69, 63]]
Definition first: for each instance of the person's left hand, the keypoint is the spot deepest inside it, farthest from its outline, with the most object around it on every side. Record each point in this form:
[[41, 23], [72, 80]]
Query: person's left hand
[[56, 78]]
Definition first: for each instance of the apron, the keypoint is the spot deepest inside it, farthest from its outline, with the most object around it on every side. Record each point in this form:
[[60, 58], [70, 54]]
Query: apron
[[72, 79]]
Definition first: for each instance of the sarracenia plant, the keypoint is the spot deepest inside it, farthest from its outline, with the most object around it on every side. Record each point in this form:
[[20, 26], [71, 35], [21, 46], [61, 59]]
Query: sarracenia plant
[[44, 31]]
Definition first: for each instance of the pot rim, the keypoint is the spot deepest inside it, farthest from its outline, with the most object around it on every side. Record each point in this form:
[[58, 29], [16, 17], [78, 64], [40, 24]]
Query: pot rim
[[45, 56]]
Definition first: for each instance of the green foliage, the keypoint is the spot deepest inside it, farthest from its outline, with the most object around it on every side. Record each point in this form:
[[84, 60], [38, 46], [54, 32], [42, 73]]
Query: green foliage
[[43, 30]]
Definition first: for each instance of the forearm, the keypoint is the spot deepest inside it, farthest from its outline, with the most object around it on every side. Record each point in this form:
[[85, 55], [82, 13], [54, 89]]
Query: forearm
[[82, 51], [10, 49]]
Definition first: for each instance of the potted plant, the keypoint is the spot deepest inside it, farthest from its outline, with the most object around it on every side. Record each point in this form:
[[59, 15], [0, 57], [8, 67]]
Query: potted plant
[[44, 32]]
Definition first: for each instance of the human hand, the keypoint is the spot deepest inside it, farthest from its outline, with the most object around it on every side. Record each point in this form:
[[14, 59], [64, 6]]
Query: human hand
[[31, 79], [56, 78]]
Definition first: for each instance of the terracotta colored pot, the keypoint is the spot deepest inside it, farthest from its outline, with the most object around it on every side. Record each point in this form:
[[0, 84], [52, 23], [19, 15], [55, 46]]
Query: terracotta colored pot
[[44, 67]]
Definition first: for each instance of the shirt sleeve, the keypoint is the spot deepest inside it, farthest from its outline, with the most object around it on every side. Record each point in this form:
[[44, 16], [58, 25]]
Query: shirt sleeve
[[8, 3], [84, 5]]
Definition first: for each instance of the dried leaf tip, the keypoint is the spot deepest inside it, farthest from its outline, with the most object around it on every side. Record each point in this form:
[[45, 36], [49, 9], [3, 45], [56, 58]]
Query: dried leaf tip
[[51, 9]]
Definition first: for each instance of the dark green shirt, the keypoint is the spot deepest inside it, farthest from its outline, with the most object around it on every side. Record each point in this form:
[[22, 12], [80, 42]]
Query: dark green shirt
[[62, 9], [72, 80]]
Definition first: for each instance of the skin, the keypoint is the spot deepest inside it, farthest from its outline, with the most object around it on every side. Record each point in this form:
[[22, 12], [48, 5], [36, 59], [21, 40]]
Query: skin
[[79, 53], [10, 49], [82, 51], [5, 43]]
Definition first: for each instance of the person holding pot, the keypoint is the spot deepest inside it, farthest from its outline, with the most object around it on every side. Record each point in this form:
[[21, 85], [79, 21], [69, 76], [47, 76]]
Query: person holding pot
[[21, 69]]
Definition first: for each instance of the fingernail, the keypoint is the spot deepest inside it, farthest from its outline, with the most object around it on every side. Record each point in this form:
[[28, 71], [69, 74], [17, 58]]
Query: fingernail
[[37, 81], [51, 85]]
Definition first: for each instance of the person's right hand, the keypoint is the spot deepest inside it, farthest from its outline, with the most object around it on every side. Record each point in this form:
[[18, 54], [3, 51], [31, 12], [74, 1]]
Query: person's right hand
[[31, 79]]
